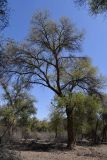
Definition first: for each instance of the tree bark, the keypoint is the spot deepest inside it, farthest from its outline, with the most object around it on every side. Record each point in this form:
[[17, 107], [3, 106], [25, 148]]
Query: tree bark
[[70, 128], [96, 140], [56, 133], [104, 136]]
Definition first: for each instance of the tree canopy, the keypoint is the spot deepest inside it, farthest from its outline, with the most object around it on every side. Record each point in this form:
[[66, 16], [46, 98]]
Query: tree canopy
[[95, 6]]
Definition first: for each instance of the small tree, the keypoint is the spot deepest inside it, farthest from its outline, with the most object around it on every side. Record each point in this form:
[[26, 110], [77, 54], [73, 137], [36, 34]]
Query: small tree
[[56, 120], [18, 107]]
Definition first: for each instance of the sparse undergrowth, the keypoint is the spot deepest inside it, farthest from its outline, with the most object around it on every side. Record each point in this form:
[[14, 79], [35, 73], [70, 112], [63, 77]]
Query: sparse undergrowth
[[6, 154]]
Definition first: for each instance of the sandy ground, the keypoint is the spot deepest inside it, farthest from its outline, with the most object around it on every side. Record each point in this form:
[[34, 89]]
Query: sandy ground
[[79, 153]]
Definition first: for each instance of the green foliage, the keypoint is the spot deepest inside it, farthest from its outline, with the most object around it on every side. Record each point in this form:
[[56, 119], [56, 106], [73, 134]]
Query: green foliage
[[56, 120], [42, 126], [93, 109], [72, 100], [32, 124], [86, 110], [95, 6], [6, 115], [28, 111], [18, 106]]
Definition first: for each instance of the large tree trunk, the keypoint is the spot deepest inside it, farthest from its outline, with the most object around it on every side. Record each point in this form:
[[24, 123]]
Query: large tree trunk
[[70, 128]]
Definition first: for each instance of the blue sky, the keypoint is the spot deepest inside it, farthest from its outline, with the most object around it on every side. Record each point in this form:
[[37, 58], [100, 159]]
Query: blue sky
[[94, 44]]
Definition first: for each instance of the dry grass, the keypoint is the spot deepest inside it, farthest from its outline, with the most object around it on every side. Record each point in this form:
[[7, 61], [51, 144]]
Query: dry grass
[[79, 153]]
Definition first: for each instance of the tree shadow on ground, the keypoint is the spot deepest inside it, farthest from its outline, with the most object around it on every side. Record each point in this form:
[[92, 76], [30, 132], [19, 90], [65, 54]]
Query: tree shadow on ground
[[44, 146], [39, 146]]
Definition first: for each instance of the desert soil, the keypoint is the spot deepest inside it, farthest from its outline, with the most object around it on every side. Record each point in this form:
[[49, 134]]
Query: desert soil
[[79, 153]]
